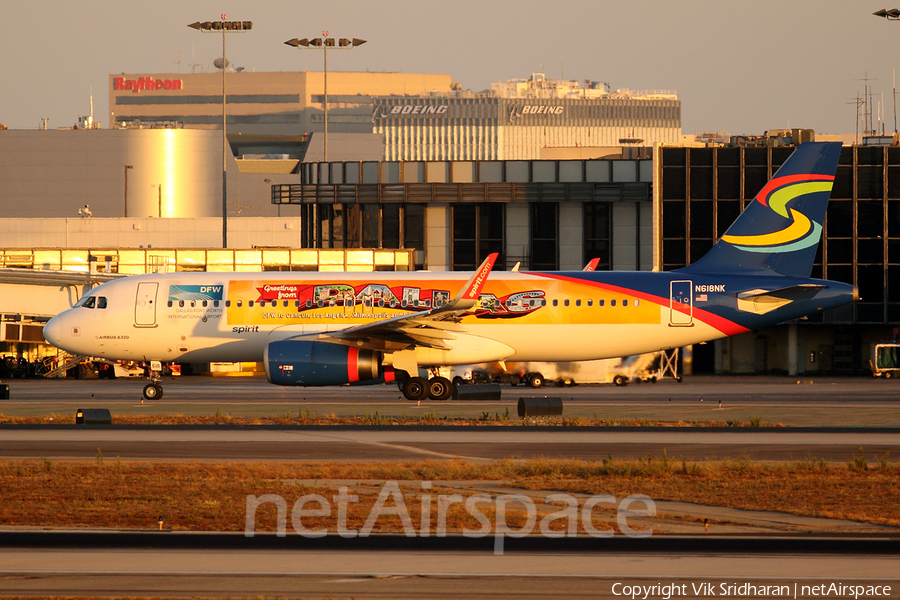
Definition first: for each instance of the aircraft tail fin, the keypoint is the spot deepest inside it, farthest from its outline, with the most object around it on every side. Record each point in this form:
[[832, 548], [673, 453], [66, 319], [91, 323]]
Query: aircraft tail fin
[[778, 232]]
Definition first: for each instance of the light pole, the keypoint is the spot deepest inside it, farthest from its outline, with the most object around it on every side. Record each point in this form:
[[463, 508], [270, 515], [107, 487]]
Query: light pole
[[225, 27], [325, 43]]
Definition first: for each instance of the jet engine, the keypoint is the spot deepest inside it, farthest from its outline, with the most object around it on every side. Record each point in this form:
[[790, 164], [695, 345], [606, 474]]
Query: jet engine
[[301, 362]]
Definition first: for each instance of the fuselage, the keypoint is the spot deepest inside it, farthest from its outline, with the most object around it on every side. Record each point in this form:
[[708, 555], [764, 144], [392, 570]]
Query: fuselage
[[522, 316]]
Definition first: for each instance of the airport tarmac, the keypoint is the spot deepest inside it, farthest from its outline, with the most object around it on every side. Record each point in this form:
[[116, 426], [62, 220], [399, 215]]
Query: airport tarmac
[[801, 401], [227, 443], [400, 568]]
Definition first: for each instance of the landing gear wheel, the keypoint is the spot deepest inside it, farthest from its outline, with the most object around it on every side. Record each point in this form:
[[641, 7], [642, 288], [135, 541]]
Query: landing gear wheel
[[153, 391], [439, 388], [415, 388], [535, 380], [620, 380]]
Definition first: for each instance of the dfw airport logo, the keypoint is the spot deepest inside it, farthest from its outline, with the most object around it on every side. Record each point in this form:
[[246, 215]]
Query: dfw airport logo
[[390, 505]]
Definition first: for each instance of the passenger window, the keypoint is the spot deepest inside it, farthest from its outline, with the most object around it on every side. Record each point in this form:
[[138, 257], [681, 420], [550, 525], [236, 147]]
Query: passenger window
[[543, 302], [240, 303], [297, 303], [601, 302], [625, 302], [309, 304], [215, 303], [250, 303], [101, 302], [285, 304], [227, 303], [205, 303], [612, 302], [193, 303], [578, 302], [566, 302], [637, 302], [590, 302], [169, 304], [555, 302], [181, 303]]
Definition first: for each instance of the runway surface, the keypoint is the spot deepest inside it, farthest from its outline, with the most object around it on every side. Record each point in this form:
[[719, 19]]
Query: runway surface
[[763, 390], [225, 443], [791, 401], [144, 564]]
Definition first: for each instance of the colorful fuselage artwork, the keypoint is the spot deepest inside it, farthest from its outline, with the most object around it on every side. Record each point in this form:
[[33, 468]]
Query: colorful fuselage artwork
[[290, 301]]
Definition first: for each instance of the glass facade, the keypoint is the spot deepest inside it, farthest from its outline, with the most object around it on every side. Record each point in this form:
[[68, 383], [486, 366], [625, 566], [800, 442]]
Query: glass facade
[[477, 230]]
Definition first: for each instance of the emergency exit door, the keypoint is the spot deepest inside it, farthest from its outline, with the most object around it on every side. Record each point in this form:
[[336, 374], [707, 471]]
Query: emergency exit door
[[681, 304], [145, 305]]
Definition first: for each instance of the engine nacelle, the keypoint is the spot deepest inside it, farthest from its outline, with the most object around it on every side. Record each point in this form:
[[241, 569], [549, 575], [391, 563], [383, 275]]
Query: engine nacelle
[[301, 362]]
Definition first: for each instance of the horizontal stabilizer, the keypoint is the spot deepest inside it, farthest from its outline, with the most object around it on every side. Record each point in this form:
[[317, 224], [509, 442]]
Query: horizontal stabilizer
[[760, 302]]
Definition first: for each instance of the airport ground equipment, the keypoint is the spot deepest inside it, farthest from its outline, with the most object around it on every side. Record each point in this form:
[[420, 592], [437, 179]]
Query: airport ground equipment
[[885, 361], [540, 407], [485, 391], [93, 416]]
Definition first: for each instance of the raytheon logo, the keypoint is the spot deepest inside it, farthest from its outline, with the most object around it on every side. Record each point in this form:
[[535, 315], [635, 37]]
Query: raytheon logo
[[146, 83]]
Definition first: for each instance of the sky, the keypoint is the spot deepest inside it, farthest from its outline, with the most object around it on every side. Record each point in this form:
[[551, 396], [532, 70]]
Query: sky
[[740, 67]]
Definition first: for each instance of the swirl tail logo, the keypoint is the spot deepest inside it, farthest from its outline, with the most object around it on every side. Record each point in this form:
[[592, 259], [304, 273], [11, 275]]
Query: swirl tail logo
[[800, 231]]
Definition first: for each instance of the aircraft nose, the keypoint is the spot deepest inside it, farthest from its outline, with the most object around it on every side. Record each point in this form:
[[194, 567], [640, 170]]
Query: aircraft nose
[[53, 331]]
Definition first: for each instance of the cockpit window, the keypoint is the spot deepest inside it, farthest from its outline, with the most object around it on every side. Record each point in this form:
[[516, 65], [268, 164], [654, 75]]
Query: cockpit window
[[89, 301], [101, 302]]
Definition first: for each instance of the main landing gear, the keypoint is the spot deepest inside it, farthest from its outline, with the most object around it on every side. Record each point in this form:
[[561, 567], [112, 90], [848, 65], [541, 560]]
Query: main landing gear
[[419, 388], [154, 390]]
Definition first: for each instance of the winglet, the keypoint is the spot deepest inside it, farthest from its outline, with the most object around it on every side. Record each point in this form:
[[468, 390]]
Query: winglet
[[592, 265], [472, 289]]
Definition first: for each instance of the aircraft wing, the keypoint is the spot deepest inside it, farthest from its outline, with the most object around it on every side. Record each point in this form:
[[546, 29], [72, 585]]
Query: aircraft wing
[[429, 329]]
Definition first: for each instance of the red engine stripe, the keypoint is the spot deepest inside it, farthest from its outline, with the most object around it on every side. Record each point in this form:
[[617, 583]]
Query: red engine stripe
[[352, 365], [389, 375]]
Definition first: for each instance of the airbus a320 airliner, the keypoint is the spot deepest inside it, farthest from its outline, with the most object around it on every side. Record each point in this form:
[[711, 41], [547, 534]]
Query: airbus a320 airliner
[[316, 329]]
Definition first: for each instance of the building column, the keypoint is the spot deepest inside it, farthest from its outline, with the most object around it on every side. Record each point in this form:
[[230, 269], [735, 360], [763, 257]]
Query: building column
[[437, 237], [571, 236], [624, 236], [518, 238], [792, 348]]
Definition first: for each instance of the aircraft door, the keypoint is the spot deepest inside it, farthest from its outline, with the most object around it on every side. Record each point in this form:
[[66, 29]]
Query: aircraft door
[[145, 305], [681, 304]]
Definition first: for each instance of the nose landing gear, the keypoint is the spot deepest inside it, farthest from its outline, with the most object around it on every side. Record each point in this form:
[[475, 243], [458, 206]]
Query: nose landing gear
[[154, 390]]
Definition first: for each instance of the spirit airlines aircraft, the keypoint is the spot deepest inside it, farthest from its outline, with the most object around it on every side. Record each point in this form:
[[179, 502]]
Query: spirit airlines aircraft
[[316, 329]]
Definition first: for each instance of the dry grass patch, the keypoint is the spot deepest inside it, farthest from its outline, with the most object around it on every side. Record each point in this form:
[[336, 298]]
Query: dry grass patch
[[212, 497], [305, 417]]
